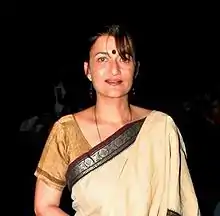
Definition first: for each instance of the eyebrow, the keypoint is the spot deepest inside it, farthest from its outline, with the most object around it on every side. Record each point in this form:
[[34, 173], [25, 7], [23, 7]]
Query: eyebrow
[[104, 53]]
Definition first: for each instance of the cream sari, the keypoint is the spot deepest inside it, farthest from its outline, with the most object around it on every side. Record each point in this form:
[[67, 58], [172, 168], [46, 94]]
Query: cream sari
[[139, 170]]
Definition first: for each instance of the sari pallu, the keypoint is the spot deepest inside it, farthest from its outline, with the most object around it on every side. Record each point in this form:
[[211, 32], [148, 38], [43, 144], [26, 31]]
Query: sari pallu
[[140, 170]]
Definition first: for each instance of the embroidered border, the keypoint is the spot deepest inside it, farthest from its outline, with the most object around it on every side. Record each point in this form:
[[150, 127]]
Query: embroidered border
[[102, 153]]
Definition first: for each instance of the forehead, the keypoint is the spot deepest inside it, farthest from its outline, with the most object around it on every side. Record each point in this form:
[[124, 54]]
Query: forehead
[[104, 44]]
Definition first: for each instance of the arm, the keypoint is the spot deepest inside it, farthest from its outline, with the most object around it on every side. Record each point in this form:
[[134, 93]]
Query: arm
[[47, 200], [182, 194], [50, 173]]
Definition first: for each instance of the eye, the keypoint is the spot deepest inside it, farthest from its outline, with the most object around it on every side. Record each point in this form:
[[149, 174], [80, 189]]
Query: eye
[[126, 60], [102, 59]]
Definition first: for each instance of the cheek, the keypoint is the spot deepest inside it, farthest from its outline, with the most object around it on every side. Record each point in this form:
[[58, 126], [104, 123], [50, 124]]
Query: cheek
[[99, 73], [129, 74], [100, 70]]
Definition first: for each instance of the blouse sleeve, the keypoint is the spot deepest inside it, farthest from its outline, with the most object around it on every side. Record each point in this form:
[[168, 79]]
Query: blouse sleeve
[[54, 159]]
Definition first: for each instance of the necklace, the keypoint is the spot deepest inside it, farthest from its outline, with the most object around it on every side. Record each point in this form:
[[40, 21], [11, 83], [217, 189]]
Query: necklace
[[96, 121]]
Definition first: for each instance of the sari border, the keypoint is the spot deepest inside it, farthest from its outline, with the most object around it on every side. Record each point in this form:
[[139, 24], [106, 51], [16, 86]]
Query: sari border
[[172, 213], [103, 152]]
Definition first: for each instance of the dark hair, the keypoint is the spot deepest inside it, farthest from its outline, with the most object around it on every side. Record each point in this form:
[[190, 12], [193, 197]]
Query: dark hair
[[124, 40]]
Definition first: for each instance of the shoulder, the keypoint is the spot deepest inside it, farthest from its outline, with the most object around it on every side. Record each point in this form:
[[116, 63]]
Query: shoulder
[[72, 122], [70, 119], [156, 115], [164, 118], [166, 121], [65, 119], [163, 125], [156, 119], [84, 115], [64, 122], [140, 112]]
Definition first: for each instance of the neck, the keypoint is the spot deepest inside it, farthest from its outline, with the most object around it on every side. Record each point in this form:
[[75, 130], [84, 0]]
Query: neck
[[113, 110]]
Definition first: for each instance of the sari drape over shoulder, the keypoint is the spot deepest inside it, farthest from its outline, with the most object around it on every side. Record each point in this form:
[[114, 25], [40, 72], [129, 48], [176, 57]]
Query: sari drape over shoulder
[[140, 170]]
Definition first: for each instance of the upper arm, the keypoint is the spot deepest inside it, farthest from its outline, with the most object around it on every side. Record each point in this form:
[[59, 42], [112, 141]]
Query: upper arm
[[54, 159], [181, 185], [45, 196], [51, 169]]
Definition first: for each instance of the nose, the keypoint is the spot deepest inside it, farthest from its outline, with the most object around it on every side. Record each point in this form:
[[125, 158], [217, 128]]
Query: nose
[[115, 68]]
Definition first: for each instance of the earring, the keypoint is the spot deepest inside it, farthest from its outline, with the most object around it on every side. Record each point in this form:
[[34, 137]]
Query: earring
[[137, 69], [91, 91], [89, 77], [133, 91]]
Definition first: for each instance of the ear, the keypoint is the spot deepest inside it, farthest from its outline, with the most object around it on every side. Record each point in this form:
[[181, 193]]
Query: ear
[[137, 66], [87, 71]]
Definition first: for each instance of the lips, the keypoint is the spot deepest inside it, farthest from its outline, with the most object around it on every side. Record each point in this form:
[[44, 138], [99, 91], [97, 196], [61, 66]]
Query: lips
[[113, 82]]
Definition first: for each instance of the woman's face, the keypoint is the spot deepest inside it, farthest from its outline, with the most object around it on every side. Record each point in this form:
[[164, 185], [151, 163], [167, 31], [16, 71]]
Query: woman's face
[[111, 75]]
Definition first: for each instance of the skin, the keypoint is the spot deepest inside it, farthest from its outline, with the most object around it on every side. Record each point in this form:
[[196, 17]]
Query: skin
[[104, 65], [112, 109]]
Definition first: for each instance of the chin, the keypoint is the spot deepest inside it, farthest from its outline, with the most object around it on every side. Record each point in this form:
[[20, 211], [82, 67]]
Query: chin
[[115, 94]]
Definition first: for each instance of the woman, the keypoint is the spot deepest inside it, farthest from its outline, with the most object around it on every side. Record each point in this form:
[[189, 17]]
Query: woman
[[117, 159]]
